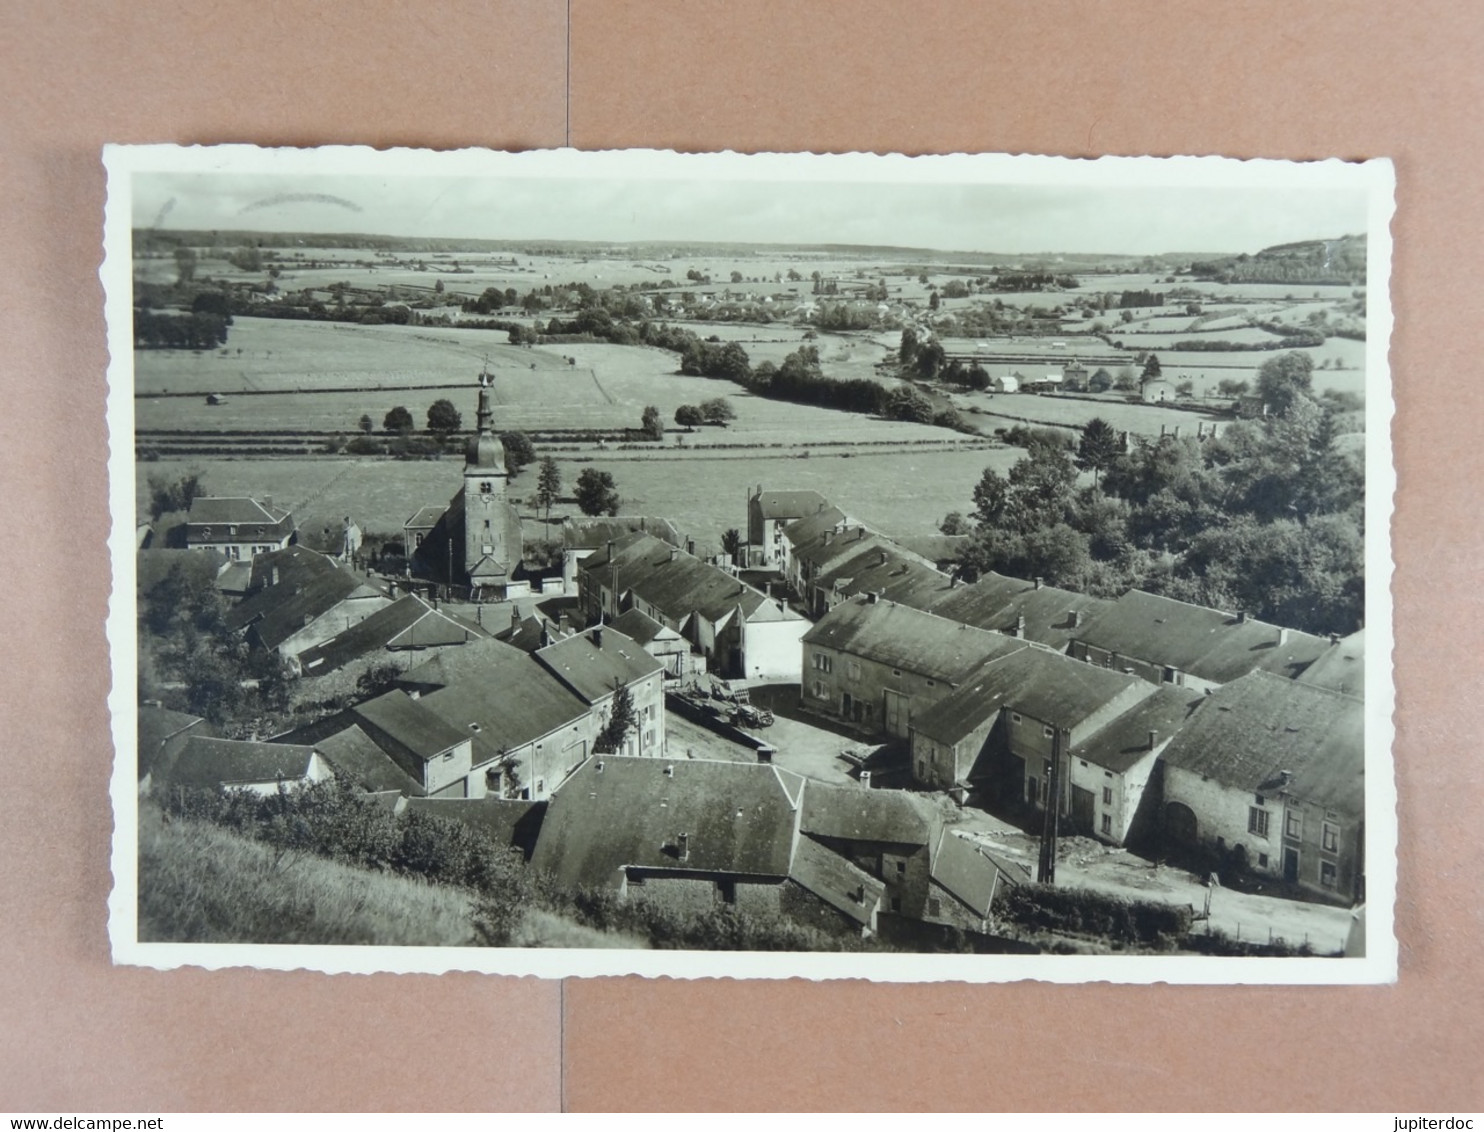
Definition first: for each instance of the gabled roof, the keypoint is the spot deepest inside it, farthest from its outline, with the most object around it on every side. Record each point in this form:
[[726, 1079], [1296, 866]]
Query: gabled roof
[[409, 622], [833, 879], [1052, 616], [1049, 687], [855, 813], [671, 581], [884, 570], [1125, 741], [833, 545], [484, 662], [528, 634], [425, 518], [1341, 667], [592, 533], [789, 504], [972, 873], [1206, 643], [506, 822], [215, 510], [641, 628], [936, 549], [410, 724], [278, 612], [810, 527], [1252, 730], [591, 663], [907, 638], [291, 566], [739, 819], [156, 727], [520, 704], [208, 763], [356, 756]]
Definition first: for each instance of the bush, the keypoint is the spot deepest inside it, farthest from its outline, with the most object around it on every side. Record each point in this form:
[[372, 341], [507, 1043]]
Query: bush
[[364, 446], [1086, 912]]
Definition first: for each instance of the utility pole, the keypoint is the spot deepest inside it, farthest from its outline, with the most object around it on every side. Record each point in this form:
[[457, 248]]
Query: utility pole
[[1046, 871]]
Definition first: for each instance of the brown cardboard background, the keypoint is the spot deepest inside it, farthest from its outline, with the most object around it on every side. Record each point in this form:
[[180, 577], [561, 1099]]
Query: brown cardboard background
[[1247, 77]]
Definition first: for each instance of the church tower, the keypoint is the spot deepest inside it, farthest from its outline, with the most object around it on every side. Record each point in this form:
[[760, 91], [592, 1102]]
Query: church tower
[[492, 538]]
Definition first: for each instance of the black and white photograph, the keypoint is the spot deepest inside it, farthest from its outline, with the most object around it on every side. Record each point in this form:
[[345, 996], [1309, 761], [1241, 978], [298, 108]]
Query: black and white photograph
[[970, 567]]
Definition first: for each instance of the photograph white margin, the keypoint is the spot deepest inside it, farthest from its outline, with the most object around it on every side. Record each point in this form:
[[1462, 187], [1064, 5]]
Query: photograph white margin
[[1375, 177]]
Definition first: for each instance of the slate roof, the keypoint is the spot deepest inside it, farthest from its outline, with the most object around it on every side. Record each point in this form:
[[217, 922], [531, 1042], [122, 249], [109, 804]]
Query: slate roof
[[1053, 616], [425, 518], [1206, 643], [408, 622], [209, 763], [1046, 686], [882, 569], [528, 634], [1125, 741], [810, 527], [592, 533], [156, 727], [1341, 667], [907, 638], [740, 820], [486, 663], [356, 756], [591, 662], [296, 565], [278, 612], [833, 879], [505, 822], [1252, 729], [830, 546], [640, 628], [673, 582], [935, 548], [410, 724], [789, 504], [855, 813], [215, 510], [523, 703], [972, 873]]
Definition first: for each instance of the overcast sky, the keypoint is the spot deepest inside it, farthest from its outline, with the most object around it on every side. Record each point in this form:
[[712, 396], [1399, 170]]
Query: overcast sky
[[954, 217]]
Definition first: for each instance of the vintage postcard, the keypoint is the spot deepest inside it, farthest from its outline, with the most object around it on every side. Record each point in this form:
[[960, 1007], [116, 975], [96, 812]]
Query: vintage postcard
[[946, 568]]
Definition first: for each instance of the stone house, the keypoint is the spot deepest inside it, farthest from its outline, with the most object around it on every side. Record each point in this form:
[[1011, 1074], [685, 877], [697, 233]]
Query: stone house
[[886, 833], [231, 764], [315, 603], [768, 513], [1270, 776], [237, 528]]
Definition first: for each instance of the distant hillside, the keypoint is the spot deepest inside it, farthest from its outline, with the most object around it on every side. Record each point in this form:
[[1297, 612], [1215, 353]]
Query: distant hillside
[[1309, 261]]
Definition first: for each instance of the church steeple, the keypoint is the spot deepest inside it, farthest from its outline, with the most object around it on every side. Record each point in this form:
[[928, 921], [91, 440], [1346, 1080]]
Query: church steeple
[[485, 449]]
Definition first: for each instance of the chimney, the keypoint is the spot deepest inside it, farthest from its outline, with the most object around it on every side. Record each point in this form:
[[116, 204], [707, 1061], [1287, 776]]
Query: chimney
[[1153, 739], [1286, 776], [682, 844], [1177, 432], [546, 640], [871, 598], [514, 615], [1074, 619], [866, 779], [828, 536], [952, 581], [1334, 638], [610, 550], [268, 503], [881, 557], [1020, 625], [1282, 636], [1039, 581], [273, 577], [690, 546], [1241, 617], [674, 553]]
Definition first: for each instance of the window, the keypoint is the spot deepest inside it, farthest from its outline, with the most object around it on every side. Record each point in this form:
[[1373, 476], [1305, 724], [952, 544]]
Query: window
[[1107, 795], [1259, 800], [1108, 824], [486, 524], [1047, 733], [896, 903], [1257, 821], [485, 487], [448, 756], [853, 669], [1328, 874], [935, 906], [901, 868], [896, 671], [1293, 824], [1014, 717], [824, 663], [821, 690], [1262, 860], [1330, 840]]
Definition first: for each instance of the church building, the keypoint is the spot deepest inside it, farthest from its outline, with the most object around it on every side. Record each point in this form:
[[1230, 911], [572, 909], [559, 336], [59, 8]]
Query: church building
[[476, 542]]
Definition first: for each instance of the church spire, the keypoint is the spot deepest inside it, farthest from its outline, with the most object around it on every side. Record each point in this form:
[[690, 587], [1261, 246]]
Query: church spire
[[485, 451]]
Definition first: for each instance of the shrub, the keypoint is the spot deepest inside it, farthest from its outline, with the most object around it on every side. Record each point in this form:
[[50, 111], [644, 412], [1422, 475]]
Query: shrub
[[1086, 912]]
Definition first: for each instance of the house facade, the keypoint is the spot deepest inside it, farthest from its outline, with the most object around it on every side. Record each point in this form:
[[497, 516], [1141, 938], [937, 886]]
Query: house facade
[[238, 528], [768, 513]]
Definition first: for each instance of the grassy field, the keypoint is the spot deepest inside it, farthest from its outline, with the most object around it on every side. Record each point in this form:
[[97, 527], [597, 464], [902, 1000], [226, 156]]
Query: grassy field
[[202, 884], [1004, 409]]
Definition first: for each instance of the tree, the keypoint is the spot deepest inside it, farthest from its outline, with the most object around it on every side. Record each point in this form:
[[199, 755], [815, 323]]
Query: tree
[[933, 301], [1101, 381], [731, 542], [443, 419], [519, 451], [649, 423], [398, 420], [906, 404], [166, 497], [548, 484], [596, 493], [185, 265], [1284, 381], [622, 721], [366, 423], [1126, 380], [1151, 368], [1098, 447], [717, 411], [689, 416], [954, 523], [908, 352]]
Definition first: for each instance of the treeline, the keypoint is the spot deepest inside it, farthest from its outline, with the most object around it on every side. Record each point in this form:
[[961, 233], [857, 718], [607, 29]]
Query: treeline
[[164, 330], [1268, 517], [1140, 299]]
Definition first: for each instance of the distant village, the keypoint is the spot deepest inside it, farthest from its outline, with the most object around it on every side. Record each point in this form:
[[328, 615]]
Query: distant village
[[537, 705]]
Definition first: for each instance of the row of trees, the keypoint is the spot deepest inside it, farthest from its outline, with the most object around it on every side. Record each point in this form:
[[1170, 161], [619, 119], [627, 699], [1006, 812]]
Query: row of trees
[[164, 330], [1268, 517]]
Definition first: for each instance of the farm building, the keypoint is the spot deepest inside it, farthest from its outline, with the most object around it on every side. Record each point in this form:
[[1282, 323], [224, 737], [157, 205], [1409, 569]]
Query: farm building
[[1005, 383], [594, 664], [738, 629], [162, 736], [1032, 611], [801, 534], [694, 835], [880, 665], [886, 833], [768, 513], [881, 568], [231, 764], [237, 528], [1341, 667], [1166, 641], [1270, 775], [659, 641], [1002, 728], [582, 536], [292, 616], [966, 878], [410, 622]]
